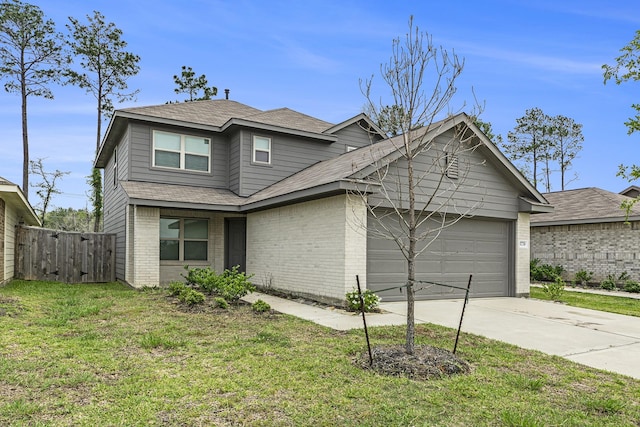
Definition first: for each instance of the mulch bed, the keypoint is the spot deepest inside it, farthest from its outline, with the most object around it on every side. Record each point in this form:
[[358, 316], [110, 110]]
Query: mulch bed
[[426, 363]]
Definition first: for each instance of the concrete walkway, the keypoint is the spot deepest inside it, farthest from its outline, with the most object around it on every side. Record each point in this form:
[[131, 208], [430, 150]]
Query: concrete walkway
[[594, 338]]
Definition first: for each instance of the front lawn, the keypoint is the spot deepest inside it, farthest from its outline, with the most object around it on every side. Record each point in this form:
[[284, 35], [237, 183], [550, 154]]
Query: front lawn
[[610, 303], [87, 355]]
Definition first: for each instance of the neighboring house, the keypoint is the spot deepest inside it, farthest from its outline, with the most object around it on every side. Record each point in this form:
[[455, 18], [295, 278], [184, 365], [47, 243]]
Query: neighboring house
[[14, 210], [218, 183], [588, 231], [632, 191]]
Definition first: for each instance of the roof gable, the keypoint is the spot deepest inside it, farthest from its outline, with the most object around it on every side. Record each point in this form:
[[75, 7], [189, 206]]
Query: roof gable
[[14, 197]]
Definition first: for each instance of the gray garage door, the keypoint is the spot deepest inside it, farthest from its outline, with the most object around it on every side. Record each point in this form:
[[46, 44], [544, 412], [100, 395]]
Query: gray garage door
[[471, 246]]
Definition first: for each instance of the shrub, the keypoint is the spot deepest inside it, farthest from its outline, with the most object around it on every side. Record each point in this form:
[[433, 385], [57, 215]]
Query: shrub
[[221, 302], [176, 288], [191, 296], [370, 300], [583, 277], [624, 276], [260, 306], [203, 278], [544, 272], [554, 289], [632, 286], [609, 283], [233, 285]]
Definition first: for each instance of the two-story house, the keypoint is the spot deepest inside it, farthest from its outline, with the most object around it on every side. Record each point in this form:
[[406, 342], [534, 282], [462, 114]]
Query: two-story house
[[220, 183]]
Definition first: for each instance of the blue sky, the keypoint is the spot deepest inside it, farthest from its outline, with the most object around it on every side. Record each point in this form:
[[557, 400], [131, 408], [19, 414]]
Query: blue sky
[[310, 55]]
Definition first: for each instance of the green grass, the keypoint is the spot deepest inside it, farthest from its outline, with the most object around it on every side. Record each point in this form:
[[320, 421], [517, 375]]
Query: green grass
[[610, 303], [88, 355]]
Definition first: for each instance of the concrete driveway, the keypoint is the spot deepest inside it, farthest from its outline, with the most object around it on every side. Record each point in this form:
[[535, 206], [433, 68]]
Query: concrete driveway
[[594, 338]]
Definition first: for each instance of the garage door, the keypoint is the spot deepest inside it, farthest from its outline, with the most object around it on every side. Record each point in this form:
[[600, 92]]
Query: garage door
[[471, 246]]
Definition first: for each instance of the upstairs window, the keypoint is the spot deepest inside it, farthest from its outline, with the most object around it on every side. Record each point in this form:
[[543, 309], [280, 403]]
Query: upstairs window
[[183, 239], [262, 150], [172, 150]]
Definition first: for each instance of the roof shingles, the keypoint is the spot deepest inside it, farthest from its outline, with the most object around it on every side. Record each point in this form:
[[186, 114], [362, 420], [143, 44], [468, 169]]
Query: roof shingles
[[584, 205]]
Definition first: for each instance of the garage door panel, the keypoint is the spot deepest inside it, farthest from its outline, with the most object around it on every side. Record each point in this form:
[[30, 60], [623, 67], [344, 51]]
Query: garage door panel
[[471, 246]]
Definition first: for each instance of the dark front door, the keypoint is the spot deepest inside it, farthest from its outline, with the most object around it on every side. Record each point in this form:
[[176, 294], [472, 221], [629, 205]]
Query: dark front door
[[235, 238]]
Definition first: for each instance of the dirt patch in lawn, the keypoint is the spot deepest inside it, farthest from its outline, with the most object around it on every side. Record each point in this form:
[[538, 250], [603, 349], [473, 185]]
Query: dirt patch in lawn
[[10, 306], [426, 363]]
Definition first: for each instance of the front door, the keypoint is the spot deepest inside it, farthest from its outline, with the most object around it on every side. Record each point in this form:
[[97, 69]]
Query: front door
[[235, 238]]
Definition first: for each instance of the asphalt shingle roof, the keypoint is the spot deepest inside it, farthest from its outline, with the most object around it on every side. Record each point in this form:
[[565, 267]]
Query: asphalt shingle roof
[[217, 112], [583, 205]]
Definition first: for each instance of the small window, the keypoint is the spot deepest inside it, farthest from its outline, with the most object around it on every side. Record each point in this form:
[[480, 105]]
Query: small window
[[184, 239], [262, 150], [172, 150]]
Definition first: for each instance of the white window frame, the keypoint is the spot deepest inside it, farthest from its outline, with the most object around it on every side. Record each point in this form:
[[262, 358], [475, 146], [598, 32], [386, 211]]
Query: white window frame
[[183, 152], [254, 150]]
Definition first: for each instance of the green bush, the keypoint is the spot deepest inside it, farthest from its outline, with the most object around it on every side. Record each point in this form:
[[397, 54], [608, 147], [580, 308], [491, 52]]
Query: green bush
[[233, 285], [176, 288], [370, 300], [609, 283], [554, 289], [221, 303], [260, 306], [632, 286], [203, 278], [583, 277], [191, 296], [544, 272], [230, 285]]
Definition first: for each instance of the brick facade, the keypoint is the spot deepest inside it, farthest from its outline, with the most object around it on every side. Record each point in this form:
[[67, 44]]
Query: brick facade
[[313, 248], [602, 248]]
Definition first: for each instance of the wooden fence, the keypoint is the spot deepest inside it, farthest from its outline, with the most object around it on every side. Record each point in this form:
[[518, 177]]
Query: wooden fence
[[70, 257]]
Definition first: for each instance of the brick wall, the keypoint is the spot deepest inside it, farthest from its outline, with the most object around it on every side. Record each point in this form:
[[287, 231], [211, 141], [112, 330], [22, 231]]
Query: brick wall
[[310, 249], [604, 248], [146, 246]]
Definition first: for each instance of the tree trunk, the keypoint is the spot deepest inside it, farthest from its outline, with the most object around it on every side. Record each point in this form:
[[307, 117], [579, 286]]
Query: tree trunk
[[411, 257], [96, 178], [25, 140]]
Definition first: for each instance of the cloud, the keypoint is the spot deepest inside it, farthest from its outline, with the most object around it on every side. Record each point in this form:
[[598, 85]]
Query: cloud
[[537, 61]]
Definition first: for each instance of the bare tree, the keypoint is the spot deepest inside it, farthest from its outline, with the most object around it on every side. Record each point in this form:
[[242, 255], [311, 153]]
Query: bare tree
[[417, 181], [46, 187]]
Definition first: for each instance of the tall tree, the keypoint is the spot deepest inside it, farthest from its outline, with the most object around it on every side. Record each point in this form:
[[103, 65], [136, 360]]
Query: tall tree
[[529, 141], [46, 187], [627, 68], [104, 67], [415, 64], [567, 142], [31, 58], [487, 129], [190, 84]]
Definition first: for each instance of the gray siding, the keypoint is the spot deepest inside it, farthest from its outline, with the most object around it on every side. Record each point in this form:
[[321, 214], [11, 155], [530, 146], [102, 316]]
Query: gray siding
[[353, 136], [288, 156], [141, 157], [115, 202], [234, 162], [481, 189]]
